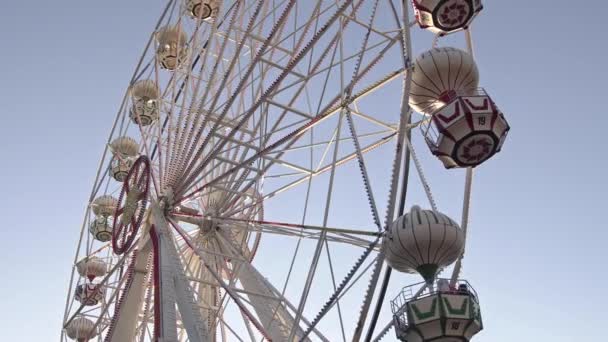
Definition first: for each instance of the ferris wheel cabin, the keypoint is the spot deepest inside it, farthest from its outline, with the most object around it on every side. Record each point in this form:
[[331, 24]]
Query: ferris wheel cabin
[[125, 151], [203, 9], [101, 228], [446, 16], [467, 131], [442, 312], [92, 267], [81, 329], [463, 126], [145, 95], [172, 50], [89, 294]]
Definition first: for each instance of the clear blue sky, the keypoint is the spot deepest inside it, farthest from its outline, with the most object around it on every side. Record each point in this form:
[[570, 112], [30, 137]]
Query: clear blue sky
[[538, 254]]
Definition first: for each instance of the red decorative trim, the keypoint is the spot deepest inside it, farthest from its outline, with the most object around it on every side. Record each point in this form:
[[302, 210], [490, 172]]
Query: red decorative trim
[[444, 131], [156, 274], [506, 123], [484, 106], [468, 115], [448, 96], [448, 119], [493, 106], [469, 118], [495, 113]]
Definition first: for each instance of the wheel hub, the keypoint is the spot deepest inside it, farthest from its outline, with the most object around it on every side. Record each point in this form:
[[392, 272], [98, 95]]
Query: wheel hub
[[131, 205]]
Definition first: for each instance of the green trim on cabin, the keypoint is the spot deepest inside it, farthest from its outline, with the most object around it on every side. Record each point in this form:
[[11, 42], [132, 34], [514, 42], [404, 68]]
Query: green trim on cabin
[[425, 315], [463, 309]]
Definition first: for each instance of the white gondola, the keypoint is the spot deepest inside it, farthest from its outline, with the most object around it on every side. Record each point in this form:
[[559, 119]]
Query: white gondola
[[125, 146], [444, 311], [119, 168], [423, 241], [101, 228], [81, 329], [145, 96], [467, 131], [446, 16], [92, 267], [125, 151], [104, 205], [465, 127], [172, 50], [437, 74], [89, 294]]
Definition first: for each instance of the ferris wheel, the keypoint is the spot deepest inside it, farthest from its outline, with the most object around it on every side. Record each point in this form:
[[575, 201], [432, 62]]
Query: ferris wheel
[[254, 181]]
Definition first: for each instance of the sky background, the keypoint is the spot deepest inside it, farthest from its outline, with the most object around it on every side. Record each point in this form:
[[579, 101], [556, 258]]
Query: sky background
[[538, 227]]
